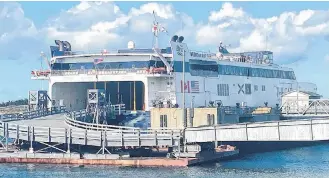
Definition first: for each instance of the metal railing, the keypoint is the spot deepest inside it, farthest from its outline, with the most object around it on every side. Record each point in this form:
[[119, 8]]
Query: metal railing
[[33, 114], [84, 133], [77, 119], [287, 130], [117, 136], [305, 106], [98, 72]]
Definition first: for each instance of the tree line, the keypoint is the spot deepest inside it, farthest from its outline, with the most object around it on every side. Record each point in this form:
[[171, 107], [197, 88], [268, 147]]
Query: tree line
[[16, 102]]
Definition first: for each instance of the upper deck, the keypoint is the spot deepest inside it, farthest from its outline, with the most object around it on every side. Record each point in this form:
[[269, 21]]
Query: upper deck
[[164, 61]]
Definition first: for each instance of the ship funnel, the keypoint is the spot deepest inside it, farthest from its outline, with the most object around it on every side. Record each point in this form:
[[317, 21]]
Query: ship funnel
[[180, 39], [67, 45], [60, 44], [174, 38]]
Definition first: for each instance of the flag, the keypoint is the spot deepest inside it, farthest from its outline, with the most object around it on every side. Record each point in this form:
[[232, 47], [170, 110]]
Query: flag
[[155, 28], [163, 30], [195, 86], [186, 86], [97, 61]]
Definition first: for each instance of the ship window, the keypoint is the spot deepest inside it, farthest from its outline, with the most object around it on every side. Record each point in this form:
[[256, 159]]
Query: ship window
[[248, 89], [255, 72], [223, 90], [255, 87], [163, 121], [203, 68], [263, 87]]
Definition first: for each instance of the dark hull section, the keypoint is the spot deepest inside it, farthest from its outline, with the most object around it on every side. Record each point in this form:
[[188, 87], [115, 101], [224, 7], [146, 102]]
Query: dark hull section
[[267, 146]]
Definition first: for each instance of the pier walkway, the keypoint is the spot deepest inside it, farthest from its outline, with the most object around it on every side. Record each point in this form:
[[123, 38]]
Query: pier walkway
[[62, 128]]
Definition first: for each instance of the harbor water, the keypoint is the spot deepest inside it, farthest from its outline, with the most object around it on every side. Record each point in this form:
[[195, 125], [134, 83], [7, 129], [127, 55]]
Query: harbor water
[[310, 161]]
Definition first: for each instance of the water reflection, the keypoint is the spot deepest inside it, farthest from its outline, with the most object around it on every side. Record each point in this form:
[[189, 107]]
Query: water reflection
[[300, 162]]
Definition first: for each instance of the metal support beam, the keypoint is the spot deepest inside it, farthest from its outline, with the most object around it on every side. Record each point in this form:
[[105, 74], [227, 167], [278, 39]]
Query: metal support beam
[[103, 146]]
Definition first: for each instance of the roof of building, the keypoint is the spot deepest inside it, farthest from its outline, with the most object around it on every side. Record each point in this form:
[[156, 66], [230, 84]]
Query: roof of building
[[304, 92]]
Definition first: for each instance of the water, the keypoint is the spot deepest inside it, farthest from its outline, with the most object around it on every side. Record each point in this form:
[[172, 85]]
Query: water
[[301, 162]]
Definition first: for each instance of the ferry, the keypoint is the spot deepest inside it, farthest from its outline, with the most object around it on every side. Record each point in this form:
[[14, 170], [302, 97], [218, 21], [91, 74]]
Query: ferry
[[175, 76]]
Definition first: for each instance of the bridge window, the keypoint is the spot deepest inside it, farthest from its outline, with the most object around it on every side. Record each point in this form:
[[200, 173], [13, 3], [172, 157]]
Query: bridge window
[[248, 89], [223, 90], [203, 68], [255, 72], [163, 121], [263, 87]]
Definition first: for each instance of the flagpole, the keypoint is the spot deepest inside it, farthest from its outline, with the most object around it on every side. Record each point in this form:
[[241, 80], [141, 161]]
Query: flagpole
[[96, 75], [184, 88], [184, 116]]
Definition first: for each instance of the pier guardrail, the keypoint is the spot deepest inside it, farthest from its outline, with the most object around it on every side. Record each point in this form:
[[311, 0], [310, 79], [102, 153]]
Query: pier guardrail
[[82, 136], [284, 130], [77, 119], [117, 136], [33, 114]]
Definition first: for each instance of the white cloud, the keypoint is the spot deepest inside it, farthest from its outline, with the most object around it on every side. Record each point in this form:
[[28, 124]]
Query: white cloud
[[227, 11], [162, 11], [19, 33], [98, 25], [288, 35], [91, 25]]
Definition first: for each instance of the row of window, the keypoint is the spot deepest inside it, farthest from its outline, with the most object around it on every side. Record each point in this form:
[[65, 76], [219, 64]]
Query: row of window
[[255, 72], [104, 65], [224, 90], [196, 68]]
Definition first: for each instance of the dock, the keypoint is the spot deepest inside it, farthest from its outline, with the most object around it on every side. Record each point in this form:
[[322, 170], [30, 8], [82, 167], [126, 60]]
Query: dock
[[56, 136], [114, 160]]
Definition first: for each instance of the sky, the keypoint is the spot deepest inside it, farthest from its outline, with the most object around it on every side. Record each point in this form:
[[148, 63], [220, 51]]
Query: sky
[[297, 33]]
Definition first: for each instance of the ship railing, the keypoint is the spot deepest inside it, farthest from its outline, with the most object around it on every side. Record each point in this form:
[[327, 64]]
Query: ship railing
[[100, 72], [98, 52]]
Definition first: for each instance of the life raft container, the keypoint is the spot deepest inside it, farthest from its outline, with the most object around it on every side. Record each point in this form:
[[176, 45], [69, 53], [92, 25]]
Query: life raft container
[[40, 73], [156, 70]]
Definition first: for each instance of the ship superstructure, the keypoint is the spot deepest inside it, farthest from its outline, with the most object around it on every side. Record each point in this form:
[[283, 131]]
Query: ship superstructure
[[145, 78]]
